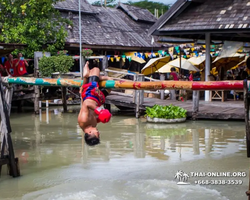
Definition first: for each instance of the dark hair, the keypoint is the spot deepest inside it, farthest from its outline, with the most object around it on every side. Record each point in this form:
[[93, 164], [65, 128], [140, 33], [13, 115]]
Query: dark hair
[[91, 140], [172, 69], [248, 62], [94, 63]]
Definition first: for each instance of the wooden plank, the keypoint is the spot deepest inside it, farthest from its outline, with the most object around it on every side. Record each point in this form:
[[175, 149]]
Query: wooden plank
[[218, 110]]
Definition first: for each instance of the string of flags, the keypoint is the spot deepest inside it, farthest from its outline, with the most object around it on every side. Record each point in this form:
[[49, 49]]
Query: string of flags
[[131, 55]]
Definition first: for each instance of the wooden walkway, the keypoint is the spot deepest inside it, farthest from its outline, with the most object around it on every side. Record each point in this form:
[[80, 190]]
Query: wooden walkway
[[207, 110]]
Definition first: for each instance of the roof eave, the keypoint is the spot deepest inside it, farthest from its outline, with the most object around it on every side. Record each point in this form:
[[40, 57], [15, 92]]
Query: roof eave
[[70, 10], [182, 32]]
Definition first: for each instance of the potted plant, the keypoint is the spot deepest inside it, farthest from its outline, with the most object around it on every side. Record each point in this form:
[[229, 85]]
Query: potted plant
[[87, 53], [59, 63], [166, 114]]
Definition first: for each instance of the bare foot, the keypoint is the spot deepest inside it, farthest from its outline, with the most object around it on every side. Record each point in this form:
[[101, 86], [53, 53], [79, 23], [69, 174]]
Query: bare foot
[[86, 70]]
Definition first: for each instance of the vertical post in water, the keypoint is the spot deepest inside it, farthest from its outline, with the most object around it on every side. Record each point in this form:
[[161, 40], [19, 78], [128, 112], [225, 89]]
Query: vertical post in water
[[139, 97], [208, 64], [64, 99], [36, 87], [6, 130], [196, 97], [134, 92], [162, 78], [246, 102]]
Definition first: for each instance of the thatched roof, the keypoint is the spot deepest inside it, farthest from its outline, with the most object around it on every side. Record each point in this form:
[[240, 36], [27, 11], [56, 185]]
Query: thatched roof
[[224, 19], [111, 28]]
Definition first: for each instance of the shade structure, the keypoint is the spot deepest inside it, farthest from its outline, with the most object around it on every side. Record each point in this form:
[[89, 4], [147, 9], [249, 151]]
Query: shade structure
[[198, 61], [165, 69], [242, 63], [229, 61], [185, 64], [154, 64], [137, 59]]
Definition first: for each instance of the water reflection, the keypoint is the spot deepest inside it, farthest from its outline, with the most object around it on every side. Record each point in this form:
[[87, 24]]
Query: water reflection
[[52, 151]]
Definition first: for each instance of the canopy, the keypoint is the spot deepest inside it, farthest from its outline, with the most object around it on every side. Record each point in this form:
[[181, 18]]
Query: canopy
[[165, 69], [198, 61], [154, 64], [229, 61], [242, 63], [185, 64]]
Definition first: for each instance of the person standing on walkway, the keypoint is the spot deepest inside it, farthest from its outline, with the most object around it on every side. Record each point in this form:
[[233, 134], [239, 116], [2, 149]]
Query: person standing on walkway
[[21, 65]]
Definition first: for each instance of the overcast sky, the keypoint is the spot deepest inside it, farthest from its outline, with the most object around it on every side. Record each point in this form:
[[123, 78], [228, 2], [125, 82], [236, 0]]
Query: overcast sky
[[124, 1]]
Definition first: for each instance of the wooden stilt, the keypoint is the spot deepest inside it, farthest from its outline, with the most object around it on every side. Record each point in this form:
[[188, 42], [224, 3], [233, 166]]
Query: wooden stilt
[[7, 151], [64, 98], [36, 88], [246, 102], [139, 97], [196, 97]]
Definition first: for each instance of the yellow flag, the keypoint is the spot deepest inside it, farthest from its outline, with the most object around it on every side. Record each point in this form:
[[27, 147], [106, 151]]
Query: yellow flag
[[118, 59], [171, 50], [112, 59], [124, 59]]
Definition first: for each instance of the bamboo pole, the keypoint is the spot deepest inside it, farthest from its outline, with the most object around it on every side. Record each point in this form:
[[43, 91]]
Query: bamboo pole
[[135, 85]]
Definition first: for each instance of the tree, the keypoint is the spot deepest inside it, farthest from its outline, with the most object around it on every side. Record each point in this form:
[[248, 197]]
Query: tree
[[33, 22], [151, 6], [109, 3]]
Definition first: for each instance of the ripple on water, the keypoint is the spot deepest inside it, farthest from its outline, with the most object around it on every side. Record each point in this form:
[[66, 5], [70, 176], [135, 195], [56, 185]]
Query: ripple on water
[[119, 190]]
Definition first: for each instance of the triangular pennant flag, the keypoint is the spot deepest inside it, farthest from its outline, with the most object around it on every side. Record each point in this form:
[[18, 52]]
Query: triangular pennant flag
[[112, 59], [124, 59], [118, 59]]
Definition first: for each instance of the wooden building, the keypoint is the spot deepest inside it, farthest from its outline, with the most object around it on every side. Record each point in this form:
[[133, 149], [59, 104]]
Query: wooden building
[[108, 30], [206, 19]]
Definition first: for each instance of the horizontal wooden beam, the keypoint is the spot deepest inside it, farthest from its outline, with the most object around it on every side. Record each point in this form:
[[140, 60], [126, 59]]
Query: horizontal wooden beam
[[135, 85]]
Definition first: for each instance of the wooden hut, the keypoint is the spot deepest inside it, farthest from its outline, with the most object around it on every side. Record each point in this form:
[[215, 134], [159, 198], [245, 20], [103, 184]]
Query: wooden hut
[[104, 29], [206, 19]]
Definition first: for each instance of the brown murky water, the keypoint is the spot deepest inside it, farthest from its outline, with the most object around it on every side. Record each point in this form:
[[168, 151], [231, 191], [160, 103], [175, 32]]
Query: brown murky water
[[135, 160]]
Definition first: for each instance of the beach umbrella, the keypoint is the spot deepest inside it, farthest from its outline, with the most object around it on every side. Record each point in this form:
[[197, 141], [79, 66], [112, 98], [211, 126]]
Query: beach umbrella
[[198, 61], [154, 64], [137, 59], [240, 64], [228, 61], [185, 64], [165, 69]]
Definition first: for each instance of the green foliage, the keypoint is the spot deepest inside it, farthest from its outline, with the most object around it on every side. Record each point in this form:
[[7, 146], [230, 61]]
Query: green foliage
[[60, 63], [109, 3], [151, 6], [32, 22], [166, 112], [87, 52]]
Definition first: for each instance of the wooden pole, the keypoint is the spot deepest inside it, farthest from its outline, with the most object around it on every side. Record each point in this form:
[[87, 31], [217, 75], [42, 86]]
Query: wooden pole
[[196, 97], [139, 97], [6, 129], [64, 98], [36, 87], [246, 103], [162, 78], [139, 85]]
